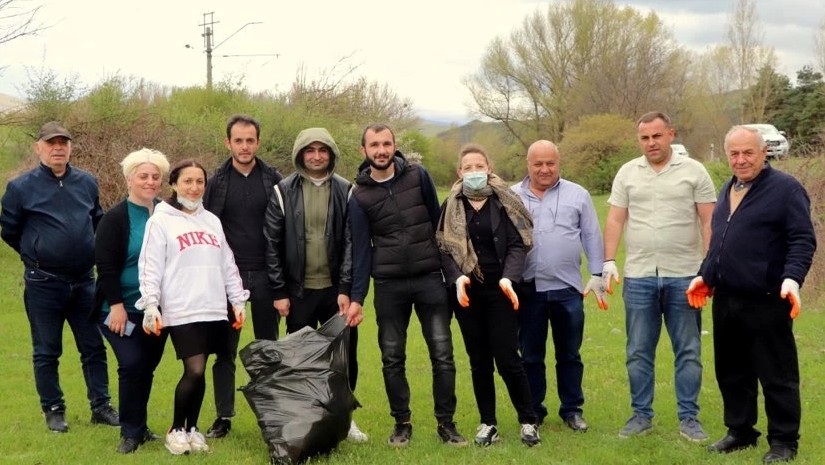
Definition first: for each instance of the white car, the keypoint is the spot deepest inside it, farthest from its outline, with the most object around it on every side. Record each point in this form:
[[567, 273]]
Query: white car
[[775, 139], [679, 149]]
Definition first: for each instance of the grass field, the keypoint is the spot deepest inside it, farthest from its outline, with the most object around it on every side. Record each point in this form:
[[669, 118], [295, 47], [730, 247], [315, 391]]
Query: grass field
[[24, 439]]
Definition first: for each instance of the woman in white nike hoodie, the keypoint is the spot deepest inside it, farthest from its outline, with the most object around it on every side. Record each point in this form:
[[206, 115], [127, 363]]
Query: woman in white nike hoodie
[[187, 273]]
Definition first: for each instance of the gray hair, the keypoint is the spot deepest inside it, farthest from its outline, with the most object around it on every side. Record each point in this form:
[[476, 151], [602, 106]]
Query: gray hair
[[144, 155], [737, 128]]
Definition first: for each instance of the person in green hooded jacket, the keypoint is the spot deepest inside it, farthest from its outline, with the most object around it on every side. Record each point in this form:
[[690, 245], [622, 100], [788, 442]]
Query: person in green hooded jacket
[[309, 245]]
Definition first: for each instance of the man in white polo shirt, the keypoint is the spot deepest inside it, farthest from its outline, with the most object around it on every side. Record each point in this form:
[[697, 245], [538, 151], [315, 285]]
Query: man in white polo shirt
[[664, 205]]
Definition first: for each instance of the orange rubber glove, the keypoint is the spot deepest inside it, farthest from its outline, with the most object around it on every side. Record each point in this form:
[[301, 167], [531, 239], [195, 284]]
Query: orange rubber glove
[[610, 274], [597, 287], [507, 287], [240, 317], [790, 291], [461, 290], [698, 293], [152, 322]]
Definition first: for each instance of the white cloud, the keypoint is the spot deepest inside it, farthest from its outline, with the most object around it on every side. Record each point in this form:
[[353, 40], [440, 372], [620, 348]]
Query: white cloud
[[421, 49]]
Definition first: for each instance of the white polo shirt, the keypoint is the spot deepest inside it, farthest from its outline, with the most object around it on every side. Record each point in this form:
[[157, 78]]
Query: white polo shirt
[[663, 232]]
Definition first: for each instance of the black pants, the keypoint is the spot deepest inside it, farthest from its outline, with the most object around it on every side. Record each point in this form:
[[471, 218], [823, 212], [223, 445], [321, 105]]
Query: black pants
[[314, 309], [394, 301], [137, 357], [490, 330], [265, 323], [753, 341]]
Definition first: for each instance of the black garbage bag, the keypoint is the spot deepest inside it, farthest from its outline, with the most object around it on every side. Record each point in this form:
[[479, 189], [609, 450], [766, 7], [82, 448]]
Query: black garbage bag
[[299, 390]]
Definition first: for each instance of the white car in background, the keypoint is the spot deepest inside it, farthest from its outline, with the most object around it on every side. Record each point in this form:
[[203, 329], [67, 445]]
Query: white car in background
[[775, 139], [679, 149]]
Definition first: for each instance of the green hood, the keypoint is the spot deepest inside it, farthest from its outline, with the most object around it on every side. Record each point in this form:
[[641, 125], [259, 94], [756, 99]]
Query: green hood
[[308, 136]]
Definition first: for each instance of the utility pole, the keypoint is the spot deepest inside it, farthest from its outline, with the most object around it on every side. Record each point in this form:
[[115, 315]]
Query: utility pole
[[208, 39], [207, 44]]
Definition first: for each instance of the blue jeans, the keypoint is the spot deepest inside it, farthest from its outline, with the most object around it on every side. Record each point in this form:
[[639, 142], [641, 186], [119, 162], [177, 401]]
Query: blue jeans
[[137, 357], [50, 301], [564, 309], [394, 301], [647, 301]]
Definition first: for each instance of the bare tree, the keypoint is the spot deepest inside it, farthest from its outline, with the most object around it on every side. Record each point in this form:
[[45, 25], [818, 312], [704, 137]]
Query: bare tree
[[819, 46], [745, 36], [577, 58], [17, 20]]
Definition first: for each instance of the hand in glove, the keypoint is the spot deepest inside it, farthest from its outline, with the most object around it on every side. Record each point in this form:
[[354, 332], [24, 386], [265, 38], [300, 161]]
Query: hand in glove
[[610, 272], [596, 286], [240, 316], [790, 291], [461, 290], [698, 293], [507, 288], [152, 323]]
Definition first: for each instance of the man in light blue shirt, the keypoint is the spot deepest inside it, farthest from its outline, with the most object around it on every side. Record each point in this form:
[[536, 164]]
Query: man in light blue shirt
[[564, 223]]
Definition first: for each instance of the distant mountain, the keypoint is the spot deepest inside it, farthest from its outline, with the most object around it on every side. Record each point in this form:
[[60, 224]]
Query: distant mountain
[[432, 128], [469, 132], [7, 102]]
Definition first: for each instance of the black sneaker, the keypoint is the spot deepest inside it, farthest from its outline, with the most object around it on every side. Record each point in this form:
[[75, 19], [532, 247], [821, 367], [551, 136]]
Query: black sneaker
[[486, 434], [450, 435], [128, 445], [56, 419], [105, 415], [148, 435], [401, 435], [220, 428]]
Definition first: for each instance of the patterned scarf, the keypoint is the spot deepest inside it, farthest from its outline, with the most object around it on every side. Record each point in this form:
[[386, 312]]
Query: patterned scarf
[[451, 234]]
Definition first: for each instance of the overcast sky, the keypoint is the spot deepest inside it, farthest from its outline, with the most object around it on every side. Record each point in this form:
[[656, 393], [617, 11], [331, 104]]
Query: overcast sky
[[422, 49]]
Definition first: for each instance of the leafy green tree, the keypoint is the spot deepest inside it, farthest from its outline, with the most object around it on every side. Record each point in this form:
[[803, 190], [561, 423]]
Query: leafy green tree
[[594, 149], [802, 114]]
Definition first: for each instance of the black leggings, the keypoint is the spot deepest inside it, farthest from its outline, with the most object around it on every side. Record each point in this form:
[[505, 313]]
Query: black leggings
[[189, 392]]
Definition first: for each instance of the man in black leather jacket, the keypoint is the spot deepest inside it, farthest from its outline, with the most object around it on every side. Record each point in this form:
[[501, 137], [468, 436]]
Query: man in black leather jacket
[[308, 243]]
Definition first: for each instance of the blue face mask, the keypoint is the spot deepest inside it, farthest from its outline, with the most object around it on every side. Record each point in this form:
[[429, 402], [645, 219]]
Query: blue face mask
[[475, 180]]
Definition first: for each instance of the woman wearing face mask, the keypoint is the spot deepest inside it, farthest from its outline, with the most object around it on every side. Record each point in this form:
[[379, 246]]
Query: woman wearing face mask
[[188, 271], [118, 242], [483, 234]]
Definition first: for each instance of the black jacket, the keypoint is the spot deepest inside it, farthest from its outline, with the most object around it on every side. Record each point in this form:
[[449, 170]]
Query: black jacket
[[50, 221], [768, 238], [393, 226], [214, 199], [510, 249], [286, 241], [111, 245]]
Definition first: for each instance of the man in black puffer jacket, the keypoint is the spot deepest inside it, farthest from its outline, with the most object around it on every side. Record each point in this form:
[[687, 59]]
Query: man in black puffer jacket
[[394, 212]]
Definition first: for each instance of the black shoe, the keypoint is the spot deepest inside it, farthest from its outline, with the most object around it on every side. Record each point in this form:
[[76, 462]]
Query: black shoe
[[220, 428], [450, 435], [56, 419], [401, 435], [148, 435], [779, 453], [105, 415], [731, 443], [576, 423], [128, 445]]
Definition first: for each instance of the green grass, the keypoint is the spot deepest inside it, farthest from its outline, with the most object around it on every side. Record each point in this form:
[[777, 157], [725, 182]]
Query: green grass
[[24, 439]]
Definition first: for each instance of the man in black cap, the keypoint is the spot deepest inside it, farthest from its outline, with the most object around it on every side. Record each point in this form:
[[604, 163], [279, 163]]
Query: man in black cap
[[49, 216]]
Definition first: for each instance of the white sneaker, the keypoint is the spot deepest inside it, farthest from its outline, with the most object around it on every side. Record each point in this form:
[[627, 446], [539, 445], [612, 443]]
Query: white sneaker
[[355, 434], [196, 441], [177, 442]]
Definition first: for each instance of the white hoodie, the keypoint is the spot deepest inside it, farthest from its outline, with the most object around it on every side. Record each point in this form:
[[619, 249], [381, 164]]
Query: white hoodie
[[187, 268]]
